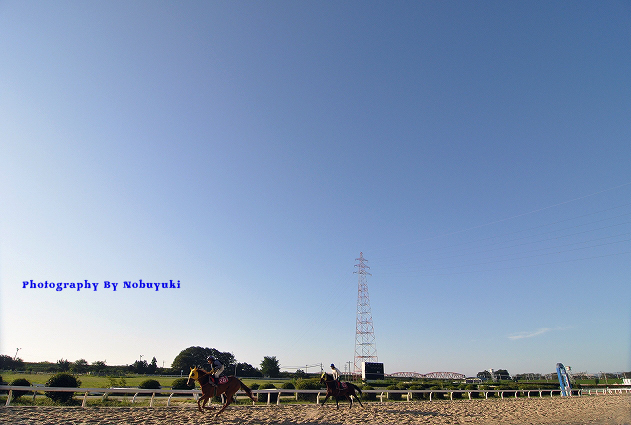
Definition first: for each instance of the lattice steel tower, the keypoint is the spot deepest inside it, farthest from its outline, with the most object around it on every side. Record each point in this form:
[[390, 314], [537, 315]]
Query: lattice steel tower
[[365, 348]]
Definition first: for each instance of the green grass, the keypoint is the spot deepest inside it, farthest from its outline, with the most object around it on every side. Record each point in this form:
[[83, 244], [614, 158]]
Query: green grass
[[91, 381]]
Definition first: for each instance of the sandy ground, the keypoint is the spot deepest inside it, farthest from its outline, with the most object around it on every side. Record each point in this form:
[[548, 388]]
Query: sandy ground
[[610, 409]]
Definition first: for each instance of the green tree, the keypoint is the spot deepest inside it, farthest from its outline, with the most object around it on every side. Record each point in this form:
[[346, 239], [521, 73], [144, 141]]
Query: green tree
[[300, 374], [9, 363], [247, 370], [270, 367], [196, 356], [63, 365], [80, 366], [153, 366], [139, 367], [98, 366]]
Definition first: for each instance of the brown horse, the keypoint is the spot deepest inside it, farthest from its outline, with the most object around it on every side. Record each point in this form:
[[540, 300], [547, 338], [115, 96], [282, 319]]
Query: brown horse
[[340, 389], [227, 385]]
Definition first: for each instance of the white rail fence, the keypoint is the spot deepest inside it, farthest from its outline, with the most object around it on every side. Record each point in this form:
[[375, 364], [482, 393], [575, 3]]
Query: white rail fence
[[381, 394]]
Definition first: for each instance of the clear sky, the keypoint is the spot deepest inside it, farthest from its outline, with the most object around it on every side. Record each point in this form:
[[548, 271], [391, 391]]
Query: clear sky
[[477, 153]]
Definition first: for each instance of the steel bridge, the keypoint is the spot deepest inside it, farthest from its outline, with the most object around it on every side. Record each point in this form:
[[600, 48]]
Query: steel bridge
[[431, 375]]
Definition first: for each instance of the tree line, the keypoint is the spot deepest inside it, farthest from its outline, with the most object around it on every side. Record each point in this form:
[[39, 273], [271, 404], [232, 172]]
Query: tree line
[[186, 359]]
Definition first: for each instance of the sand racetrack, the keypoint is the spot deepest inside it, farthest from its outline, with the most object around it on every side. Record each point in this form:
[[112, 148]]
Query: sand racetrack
[[610, 409]]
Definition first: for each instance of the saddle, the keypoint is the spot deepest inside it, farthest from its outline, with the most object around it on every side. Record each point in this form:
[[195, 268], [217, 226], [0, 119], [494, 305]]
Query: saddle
[[218, 381], [340, 386]]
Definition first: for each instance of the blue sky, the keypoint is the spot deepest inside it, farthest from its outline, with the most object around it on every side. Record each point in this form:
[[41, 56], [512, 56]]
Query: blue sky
[[477, 153]]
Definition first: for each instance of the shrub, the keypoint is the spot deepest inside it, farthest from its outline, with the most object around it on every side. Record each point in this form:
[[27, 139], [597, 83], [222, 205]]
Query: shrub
[[437, 396], [254, 386], [262, 397], [368, 396], [471, 387], [508, 390], [180, 384], [307, 384], [22, 383], [393, 396], [150, 384], [288, 386], [418, 396], [62, 379]]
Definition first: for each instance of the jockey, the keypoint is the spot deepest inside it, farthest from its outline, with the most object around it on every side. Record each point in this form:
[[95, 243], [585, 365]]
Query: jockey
[[336, 375], [335, 372], [216, 368]]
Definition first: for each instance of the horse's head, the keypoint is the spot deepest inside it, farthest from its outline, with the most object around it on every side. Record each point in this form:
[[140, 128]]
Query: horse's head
[[194, 375], [323, 377]]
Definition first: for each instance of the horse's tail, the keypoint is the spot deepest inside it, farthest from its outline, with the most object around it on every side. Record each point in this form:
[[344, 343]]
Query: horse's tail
[[248, 391], [356, 388]]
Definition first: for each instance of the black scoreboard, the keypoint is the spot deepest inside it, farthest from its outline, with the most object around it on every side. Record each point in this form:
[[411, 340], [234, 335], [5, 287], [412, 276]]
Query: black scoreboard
[[372, 371]]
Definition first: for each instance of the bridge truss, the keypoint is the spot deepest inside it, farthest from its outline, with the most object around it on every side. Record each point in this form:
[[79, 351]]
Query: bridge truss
[[431, 375]]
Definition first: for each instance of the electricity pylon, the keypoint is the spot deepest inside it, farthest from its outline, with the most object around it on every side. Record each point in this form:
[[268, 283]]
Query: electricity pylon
[[365, 348]]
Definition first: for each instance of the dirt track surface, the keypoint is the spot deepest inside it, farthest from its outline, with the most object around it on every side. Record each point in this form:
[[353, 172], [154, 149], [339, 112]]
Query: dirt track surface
[[605, 410]]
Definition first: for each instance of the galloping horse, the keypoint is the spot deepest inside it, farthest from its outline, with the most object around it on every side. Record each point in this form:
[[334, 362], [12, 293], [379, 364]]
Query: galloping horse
[[339, 390], [228, 385]]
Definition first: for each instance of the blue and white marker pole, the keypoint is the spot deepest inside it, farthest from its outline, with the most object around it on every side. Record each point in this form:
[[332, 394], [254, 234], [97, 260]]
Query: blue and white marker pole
[[564, 380]]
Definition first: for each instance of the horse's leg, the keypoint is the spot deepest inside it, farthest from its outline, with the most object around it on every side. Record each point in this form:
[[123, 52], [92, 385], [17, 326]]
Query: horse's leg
[[325, 399], [203, 399], [206, 399], [350, 399], [228, 401], [229, 394], [358, 399], [337, 402]]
